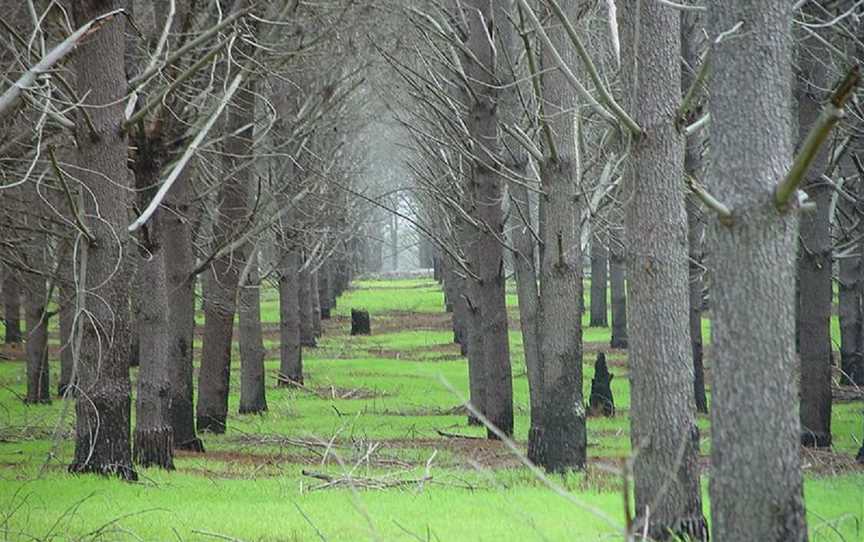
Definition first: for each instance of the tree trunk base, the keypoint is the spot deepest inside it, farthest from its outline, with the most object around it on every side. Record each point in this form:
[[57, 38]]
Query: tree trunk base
[[535, 444], [860, 457], [309, 343], [211, 424], [154, 448], [691, 528], [62, 389], [257, 408], [851, 369], [37, 400], [618, 342], [124, 472], [473, 420], [193, 445], [598, 323], [601, 402], [289, 381], [360, 322], [810, 439], [325, 313]]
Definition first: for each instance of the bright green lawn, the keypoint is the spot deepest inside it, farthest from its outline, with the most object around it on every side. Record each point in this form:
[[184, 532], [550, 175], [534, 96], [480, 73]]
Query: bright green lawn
[[249, 485]]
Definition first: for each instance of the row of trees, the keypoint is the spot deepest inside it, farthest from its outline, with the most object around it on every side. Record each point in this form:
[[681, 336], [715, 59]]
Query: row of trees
[[166, 150], [687, 152], [155, 154]]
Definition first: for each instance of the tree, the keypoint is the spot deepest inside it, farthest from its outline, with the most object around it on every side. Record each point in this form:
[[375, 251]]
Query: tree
[[756, 486], [599, 281], [102, 443], [663, 432]]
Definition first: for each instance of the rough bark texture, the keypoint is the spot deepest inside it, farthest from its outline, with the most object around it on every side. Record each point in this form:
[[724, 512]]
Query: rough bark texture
[[324, 294], [599, 280], [66, 317], [814, 254], [154, 435], [529, 307], [562, 433], [663, 430], [756, 486], [618, 293], [307, 330], [360, 323], [11, 307], [179, 262], [37, 337], [315, 291], [488, 260], [692, 24], [224, 272], [290, 351], [252, 383], [850, 285], [102, 443]]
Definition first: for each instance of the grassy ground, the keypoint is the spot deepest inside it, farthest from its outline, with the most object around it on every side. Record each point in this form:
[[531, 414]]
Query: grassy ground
[[372, 413]]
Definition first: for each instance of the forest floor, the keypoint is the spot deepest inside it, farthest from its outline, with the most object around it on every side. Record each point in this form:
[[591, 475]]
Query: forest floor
[[373, 447]]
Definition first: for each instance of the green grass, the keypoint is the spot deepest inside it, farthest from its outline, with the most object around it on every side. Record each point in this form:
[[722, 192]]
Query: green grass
[[389, 393]]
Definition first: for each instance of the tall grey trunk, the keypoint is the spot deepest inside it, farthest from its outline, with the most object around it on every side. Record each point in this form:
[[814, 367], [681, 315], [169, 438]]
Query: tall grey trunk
[[473, 321], [37, 326], [529, 307], [179, 263], [599, 281], [307, 310], [692, 28], [814, 255], [66, 316], [324, 294], [756, 485], [663, 430], [850, 287], [252, 377], [315, 291], [618, 292], [488, 260], [11, 306], [135, 294], [102, 443], [224, 273], [562, 435], [290, 352], [154, 435]]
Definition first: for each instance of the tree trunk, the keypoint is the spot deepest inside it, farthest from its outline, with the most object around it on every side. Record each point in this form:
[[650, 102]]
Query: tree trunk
[[139, 285], [179, 262], [487, 180], [851, 322], [618, 293], [37, 328], [756, 485], [692, 28], [252, 377], [307, 311], [324, 294], [529, 307], [154, 435], [11, 306], [290, 351], [102, 443], [224, 273], [562, 438], [66, 317], [314, 291], [814, 255], [599, 280], [663, 430]]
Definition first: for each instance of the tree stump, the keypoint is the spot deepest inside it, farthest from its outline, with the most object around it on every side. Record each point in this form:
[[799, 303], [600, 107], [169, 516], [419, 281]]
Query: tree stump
[[360, 324], [601, 401]]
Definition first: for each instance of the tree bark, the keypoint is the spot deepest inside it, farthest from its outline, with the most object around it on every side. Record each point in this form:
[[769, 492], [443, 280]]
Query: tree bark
[[487, 180], [307, 311], [224, 273], [102, 443], [314, 291], [814, 254], [618, 293], [324, 291], [37, 327], [756, 485], [252, 377], [599, 280], [66, 317], [562, 435], [290, 351], [663, 430], [11, 306], [154, 435], [692, 28]]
